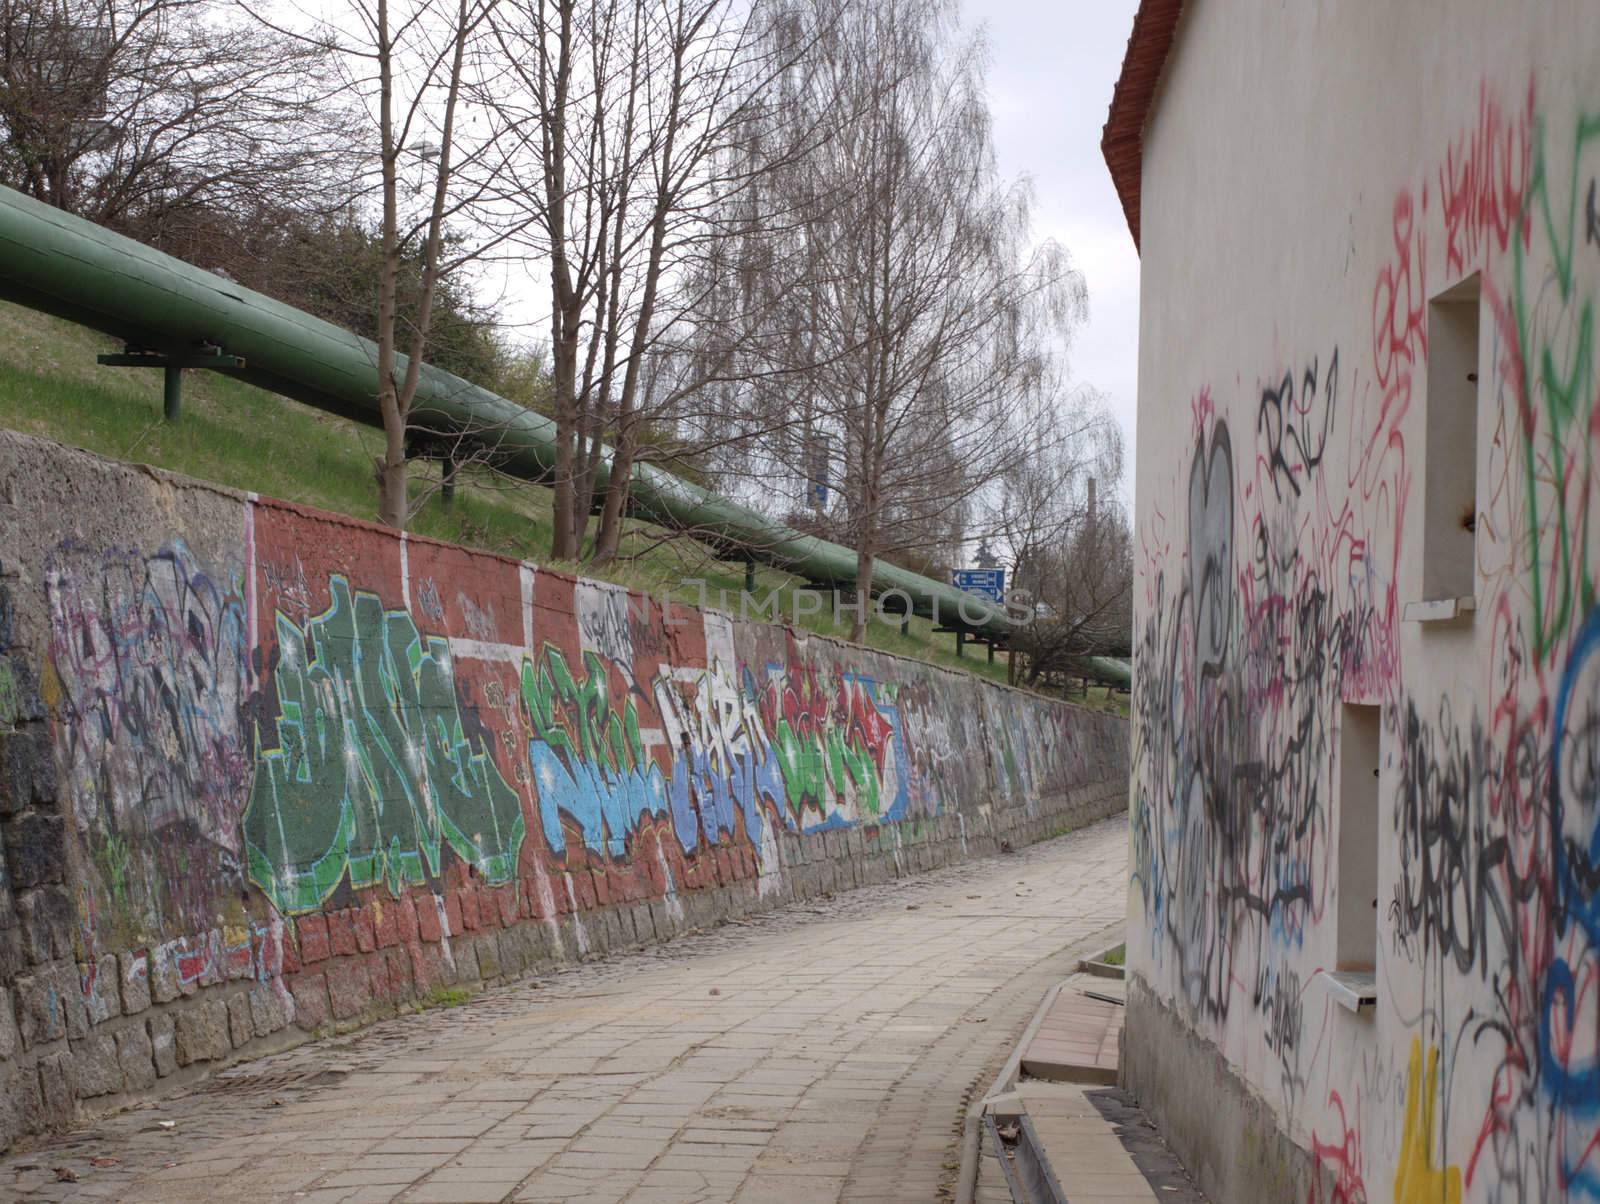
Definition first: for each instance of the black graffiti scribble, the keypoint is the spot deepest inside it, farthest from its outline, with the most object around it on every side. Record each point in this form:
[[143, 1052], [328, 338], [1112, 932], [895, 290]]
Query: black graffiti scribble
[[1447, 861], [1235, 718], [149, 654], [1296, 428]]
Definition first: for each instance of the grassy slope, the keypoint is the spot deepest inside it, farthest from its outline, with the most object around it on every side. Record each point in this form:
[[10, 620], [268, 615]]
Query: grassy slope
[[241, 436]]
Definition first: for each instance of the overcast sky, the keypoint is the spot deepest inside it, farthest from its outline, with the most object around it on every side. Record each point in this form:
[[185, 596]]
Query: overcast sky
[[1051, 70]]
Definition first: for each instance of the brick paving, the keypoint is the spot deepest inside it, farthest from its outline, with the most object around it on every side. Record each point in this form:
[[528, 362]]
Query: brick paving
[[822, 1052]]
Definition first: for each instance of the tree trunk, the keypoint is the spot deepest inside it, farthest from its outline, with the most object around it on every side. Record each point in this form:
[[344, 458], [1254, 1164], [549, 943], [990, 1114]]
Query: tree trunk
[[393, 501], [865, 561], [392, 468], [609, 538], [563, 528]]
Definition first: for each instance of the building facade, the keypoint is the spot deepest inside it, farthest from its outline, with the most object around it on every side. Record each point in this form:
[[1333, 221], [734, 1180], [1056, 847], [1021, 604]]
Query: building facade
[[1364, 908]]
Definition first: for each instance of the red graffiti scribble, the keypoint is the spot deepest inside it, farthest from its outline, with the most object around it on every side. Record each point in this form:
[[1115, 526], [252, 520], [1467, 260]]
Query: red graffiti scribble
[[864, 726], [1481, 184], [1342, 1157], [800, 701], [1400, 297]]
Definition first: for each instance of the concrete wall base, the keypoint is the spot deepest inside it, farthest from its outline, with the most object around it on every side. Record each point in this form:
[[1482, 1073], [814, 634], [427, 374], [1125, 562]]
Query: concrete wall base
[[1226, 1136]]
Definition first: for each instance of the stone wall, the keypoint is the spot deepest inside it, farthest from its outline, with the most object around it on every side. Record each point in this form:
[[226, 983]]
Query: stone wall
[[270, 772]]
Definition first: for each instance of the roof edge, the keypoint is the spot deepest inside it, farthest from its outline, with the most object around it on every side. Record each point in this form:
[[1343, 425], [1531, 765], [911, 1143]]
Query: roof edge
[[1122, 140]]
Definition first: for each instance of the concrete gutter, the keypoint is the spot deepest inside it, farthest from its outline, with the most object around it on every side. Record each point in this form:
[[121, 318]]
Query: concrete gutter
[[1006, 1080]]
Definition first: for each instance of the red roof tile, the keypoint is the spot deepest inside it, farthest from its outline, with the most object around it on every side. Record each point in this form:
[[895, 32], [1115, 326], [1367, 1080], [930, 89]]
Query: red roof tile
[[1122, 141]]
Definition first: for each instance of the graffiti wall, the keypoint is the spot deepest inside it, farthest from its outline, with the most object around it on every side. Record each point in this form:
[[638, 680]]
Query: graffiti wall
[[270, 771], [1283, 533]]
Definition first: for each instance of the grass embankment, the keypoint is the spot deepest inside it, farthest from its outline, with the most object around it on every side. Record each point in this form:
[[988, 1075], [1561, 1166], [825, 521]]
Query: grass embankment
[[238, 435]]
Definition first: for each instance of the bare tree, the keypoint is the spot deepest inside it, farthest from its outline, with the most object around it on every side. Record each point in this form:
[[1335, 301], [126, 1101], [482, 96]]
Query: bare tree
[[927, 321], [628, 112], [1083, 597], [418, 67], [1069, 548], [141, 114]]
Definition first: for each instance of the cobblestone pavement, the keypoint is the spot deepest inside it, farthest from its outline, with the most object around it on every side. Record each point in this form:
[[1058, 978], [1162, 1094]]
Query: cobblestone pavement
[[823, 1052]]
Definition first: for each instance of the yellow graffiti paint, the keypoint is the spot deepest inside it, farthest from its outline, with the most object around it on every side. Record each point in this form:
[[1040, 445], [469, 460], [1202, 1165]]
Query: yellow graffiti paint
[[1416, 1179], [50, 687]]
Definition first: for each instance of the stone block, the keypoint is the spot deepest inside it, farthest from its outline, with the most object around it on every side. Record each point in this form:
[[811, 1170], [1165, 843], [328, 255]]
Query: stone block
[[46, 918], [349, 987], [312, 932], [163, 1043], [366, 936], [240, 1027], [269, 1008], [202, 1031], [21, 1109], [599, 935], [452, 913], [27, 770], [845, 874], [289, 961], [386, 924], [165, 985], [430, 925], [12, 959], [827, 877], [429, 969], [50, 1005], [310, 992], [341, 934], [512, 951], [95, 1068], [57, 1093], [486, 953], [269, 950], [380, 982], [10, 1039], [468, 905], [19, 692], [213, 959], [644, 926], [239, 948], [508, 904], [465, 955], [102, 997], [36, 849], [402, 982], [133, 971], [405, 913], [136, 1058], [604, 936], [580, 885]]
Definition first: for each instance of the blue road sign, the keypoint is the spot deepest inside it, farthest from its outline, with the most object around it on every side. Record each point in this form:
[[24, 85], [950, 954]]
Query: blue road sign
[[986, 583]]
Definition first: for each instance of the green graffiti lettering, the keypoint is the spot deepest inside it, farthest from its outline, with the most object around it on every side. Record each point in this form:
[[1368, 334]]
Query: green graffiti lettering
[[372, 772], [1563, 377]]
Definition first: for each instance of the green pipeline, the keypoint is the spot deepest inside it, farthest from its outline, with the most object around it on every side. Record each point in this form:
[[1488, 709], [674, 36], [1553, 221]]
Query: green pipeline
[[64, 265]]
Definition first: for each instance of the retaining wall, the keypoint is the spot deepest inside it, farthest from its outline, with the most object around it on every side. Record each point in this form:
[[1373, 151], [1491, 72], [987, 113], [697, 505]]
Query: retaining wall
[[270, 772]]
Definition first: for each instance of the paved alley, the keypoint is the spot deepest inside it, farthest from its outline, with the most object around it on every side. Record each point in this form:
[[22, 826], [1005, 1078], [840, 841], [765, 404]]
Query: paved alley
[[824, 1052]]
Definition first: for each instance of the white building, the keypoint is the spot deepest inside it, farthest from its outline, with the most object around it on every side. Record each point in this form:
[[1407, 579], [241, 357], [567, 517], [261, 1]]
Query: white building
[[1364, 915]]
